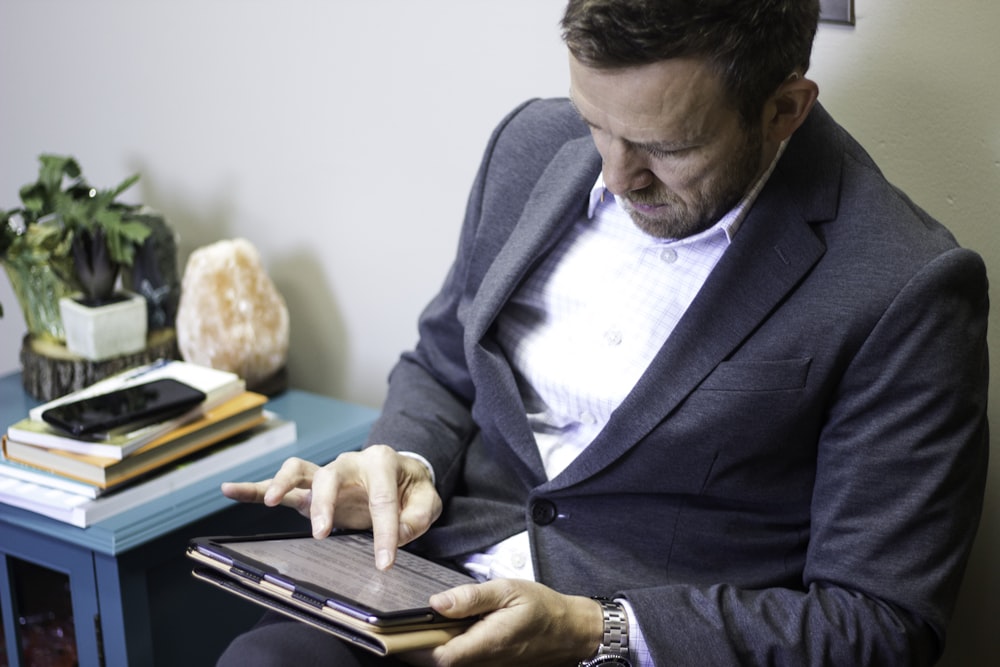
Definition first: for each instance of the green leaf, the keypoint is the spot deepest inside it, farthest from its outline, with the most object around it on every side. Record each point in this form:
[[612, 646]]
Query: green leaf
[[56, 212], [107, 217], [73, 212], [33, 196], [135, 231], [124, 185], [53, 168]]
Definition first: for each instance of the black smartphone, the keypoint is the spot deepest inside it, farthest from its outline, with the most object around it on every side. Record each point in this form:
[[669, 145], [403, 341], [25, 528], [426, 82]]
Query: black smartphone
[[158, 400]]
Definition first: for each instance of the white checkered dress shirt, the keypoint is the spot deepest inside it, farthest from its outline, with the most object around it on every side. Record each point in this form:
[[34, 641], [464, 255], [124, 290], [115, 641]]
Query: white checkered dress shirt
[[584, 326]]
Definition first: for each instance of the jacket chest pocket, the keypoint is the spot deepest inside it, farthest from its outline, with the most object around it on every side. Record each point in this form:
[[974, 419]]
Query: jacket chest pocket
[[750, 376]]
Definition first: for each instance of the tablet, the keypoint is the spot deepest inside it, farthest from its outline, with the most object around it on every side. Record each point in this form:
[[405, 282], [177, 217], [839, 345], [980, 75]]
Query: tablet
[[332, 580]]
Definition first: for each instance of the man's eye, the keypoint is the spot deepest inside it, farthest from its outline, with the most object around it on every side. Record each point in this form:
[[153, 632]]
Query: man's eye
[[662, 153]]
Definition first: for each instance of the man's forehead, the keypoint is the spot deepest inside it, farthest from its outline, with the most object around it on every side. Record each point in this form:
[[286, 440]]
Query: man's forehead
[[649, 102]]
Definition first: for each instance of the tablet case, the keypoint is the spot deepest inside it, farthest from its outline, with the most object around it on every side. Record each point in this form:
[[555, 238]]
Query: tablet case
[[248, 584]]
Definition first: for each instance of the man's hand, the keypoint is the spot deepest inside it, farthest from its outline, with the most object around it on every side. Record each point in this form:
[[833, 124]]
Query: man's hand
[[522, 623], [375, 488]]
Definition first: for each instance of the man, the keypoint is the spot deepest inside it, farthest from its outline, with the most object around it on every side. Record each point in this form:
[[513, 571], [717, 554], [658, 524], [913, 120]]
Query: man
[[695, 356]]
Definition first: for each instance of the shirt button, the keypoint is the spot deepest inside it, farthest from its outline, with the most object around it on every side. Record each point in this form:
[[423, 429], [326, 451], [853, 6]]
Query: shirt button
[[613, 337], [518, 560], [543, 512], [668, 255], [588, 418]]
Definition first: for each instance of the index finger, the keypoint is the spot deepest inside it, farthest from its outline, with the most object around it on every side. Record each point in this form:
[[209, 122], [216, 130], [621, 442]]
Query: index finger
[[360, 489], [246, 492], [382, 483]]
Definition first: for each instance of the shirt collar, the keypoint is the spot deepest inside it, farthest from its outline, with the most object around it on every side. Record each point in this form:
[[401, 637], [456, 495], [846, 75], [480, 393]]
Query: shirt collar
[[730, 222]]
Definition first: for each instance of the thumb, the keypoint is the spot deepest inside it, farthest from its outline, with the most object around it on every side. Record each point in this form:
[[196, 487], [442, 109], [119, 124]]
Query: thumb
[[467, 600]]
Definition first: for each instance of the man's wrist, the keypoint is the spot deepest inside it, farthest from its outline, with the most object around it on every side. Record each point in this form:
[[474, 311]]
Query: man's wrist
[[613, 648]]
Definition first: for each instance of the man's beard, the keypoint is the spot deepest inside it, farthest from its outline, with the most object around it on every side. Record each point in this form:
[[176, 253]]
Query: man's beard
[[676, 219]]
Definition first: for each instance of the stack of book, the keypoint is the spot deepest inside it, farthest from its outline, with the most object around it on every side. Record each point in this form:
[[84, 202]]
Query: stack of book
[[84, 479]]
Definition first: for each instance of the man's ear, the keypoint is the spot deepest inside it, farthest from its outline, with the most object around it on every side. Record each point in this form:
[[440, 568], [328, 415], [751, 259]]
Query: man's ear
[[788, 107]]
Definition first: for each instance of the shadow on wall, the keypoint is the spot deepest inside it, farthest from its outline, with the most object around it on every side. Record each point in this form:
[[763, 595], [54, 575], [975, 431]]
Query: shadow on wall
[[196, 225], [318, 337]]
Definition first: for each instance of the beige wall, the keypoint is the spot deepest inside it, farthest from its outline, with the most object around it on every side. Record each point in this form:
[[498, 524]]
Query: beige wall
[[341, 137]]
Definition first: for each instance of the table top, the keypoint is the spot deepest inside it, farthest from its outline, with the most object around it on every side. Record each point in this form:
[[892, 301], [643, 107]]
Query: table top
[[325, 427]]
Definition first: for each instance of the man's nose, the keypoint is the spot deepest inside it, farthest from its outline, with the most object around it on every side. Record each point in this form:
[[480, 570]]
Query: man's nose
[[625, 168]]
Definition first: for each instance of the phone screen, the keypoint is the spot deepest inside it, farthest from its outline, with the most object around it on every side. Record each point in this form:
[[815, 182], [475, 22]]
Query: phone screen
[[158, 400]]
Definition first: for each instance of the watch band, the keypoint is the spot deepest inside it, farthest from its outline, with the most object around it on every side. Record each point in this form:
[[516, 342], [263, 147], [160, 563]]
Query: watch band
[[614, 649]]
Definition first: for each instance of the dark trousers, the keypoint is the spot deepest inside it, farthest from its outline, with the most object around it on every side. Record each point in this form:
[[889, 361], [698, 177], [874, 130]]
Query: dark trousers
[[277, 640]]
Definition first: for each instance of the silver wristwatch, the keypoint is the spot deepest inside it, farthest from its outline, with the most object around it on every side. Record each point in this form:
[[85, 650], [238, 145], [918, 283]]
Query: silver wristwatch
[[613, 650]]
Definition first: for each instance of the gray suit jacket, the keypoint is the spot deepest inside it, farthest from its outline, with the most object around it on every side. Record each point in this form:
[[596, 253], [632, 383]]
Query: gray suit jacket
[[798, 476]]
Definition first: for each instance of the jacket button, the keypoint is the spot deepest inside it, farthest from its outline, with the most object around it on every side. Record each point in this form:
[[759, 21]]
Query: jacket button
[[543, 512]]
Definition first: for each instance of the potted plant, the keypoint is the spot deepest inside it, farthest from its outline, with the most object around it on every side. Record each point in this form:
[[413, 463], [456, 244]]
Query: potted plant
[[103, 236], [87, 237]]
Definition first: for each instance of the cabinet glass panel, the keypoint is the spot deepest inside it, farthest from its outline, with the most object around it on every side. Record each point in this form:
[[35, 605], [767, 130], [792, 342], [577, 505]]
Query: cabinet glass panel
[[45, 615]]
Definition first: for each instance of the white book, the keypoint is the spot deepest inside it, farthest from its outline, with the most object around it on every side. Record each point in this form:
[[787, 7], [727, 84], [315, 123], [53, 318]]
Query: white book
[[15, 470], [56, 503], [82, 511]]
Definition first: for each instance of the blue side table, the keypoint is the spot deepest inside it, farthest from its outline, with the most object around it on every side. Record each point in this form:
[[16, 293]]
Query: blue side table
[[133, 599]]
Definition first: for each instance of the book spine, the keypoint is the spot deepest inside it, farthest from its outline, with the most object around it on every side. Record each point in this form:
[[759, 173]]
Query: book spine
[[53, 503], [51, 480]]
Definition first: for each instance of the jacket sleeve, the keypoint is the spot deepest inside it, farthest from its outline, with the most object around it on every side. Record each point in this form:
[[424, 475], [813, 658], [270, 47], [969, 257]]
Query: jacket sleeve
[[900, 477]]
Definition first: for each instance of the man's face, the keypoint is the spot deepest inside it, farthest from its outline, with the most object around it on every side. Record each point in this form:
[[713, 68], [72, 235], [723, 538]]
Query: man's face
[[674, 151]]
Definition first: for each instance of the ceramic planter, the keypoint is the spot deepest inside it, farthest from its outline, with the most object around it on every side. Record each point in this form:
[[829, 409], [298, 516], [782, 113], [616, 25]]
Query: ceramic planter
[[102, 332]]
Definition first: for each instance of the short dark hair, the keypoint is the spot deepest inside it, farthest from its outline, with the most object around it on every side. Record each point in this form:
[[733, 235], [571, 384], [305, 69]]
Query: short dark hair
[[752, 44]]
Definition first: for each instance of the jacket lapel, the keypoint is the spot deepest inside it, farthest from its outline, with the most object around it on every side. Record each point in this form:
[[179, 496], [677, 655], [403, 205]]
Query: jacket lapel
[[558, 199], [774, 250]]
